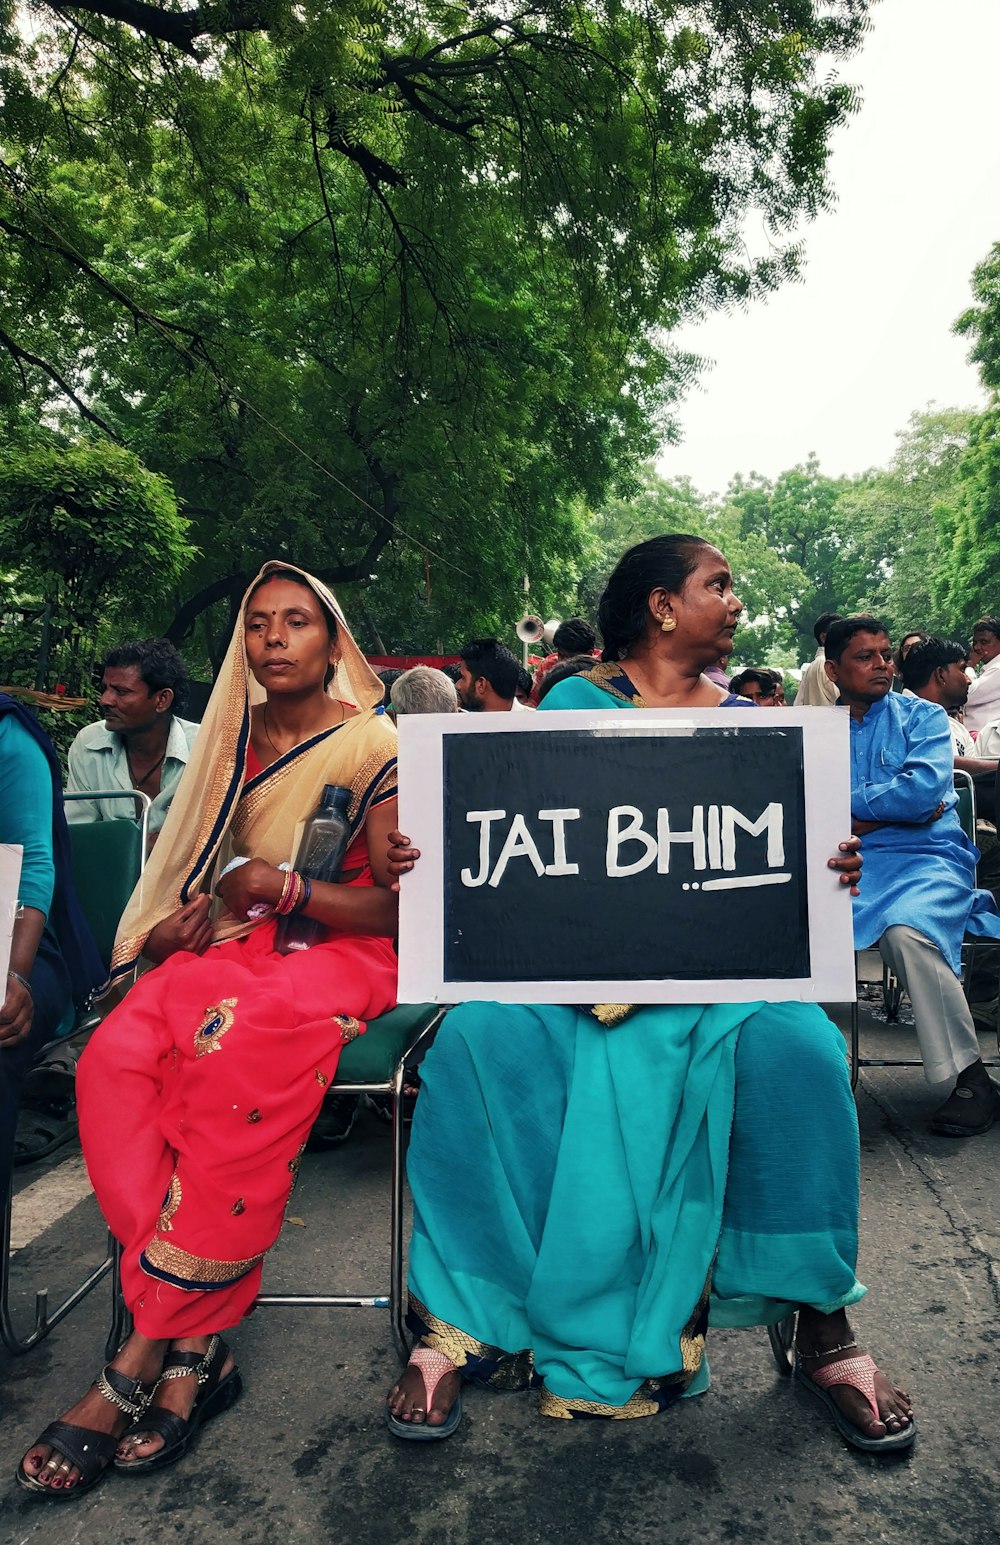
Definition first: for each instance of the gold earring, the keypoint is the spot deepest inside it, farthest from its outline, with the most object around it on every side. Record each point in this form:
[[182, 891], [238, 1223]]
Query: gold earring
[[668, 624]]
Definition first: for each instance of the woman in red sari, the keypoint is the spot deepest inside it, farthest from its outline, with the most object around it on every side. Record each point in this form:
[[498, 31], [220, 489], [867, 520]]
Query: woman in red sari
[[197, 1093]]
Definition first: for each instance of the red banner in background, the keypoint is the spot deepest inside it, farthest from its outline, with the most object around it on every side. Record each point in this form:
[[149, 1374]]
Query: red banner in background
[[402, 662]]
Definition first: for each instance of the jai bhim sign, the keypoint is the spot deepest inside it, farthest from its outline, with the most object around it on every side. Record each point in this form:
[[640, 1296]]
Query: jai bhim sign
[[649, 857]]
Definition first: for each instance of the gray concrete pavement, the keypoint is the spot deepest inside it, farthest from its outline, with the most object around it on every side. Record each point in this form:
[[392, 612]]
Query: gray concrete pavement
[[305, 1456]]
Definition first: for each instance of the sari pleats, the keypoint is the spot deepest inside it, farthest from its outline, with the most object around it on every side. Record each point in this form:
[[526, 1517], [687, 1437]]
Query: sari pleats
[[607, 1176]]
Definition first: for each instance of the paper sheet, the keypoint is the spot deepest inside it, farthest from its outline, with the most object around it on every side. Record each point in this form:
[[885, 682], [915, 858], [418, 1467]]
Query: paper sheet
[[10, 880]]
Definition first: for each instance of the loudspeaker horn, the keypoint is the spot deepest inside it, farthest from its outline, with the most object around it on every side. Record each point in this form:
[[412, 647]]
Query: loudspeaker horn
[[530, 629]]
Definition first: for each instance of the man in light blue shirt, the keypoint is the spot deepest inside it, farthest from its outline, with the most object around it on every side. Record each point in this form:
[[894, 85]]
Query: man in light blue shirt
[[142, 743]]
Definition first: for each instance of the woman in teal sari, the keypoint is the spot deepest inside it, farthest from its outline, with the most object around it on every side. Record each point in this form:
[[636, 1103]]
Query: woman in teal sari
[[593, 1187]]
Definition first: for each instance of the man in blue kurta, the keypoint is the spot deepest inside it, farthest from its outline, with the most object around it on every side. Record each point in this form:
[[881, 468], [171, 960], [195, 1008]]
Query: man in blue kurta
[[918, 895]]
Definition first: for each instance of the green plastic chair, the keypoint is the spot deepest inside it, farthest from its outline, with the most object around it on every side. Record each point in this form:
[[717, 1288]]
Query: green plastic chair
[[107, 861], [373, 1064]]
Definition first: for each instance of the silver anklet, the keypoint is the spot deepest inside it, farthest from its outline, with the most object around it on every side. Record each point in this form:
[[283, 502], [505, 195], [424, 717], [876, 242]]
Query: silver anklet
[[848, 1346]]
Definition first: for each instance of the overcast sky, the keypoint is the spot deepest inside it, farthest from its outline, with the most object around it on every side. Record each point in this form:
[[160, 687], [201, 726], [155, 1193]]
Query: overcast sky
[[837, 362]]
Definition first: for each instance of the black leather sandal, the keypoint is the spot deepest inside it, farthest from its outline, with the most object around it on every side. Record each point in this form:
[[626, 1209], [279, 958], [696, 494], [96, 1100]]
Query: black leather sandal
[[215, 1395], [91, 1452]]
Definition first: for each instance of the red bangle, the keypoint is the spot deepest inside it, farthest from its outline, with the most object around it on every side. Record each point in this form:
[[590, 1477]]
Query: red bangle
[[289, 891]]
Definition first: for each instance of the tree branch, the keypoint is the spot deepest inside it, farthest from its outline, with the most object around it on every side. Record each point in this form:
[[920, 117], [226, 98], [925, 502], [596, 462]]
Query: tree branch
[[231, 585], [373, 166], [178, 28], [76, 260], [23, 357]]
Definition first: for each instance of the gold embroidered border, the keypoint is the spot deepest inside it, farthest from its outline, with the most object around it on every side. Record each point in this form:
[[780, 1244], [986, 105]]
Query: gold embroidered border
[[366, 775], [195, 1268], [602, 676], [642, 1403], [126, 954], [514, 1371], [249, 799], [253, 798], [611, 1014], [693, 1346], [223, 770], [171, 1202], [224, 766]]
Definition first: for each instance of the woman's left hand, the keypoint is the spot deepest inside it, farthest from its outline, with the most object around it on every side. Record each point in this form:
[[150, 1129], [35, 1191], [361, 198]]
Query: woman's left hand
[[16, 1014], [252, 884], [848, 862]]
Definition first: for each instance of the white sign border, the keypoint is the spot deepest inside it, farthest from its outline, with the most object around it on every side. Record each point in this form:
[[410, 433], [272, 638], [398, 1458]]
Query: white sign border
[[826, 758], [11, 856]]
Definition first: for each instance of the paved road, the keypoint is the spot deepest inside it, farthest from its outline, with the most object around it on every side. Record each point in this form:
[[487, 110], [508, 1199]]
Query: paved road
[[305, 1456]]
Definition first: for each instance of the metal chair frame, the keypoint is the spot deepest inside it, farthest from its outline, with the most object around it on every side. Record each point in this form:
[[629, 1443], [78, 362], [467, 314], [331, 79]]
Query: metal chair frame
[[391, 1299], [44, 1320]]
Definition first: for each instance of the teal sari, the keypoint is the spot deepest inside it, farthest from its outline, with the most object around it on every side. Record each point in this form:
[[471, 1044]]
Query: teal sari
[[590, 1191]]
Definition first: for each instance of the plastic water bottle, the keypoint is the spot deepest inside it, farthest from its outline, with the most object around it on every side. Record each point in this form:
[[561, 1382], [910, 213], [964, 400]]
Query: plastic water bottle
[[320, 856]]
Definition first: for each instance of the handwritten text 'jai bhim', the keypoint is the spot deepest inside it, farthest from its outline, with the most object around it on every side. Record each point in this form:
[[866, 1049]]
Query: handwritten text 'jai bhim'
[[711, 836]]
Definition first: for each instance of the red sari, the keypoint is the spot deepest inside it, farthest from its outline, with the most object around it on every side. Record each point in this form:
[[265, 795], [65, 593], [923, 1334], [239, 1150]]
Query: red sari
[[196, 1097]]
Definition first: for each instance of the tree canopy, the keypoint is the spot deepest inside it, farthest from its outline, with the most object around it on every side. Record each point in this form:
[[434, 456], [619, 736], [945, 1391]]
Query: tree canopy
[[802, 543], [391, 289], [966, 581], [94, 527]]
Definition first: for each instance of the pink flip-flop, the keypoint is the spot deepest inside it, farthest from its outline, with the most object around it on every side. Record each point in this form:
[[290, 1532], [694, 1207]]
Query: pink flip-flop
[[433, 1367], [859, 1373]]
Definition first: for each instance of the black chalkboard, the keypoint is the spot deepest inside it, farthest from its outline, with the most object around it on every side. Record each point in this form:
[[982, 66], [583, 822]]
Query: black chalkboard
[[707, 896]]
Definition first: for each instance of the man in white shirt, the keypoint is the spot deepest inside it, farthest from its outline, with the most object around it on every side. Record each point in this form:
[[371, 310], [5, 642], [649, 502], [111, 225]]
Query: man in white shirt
[[935, 671], [141, 743], [816, 690], [988, 740], [984, 694]]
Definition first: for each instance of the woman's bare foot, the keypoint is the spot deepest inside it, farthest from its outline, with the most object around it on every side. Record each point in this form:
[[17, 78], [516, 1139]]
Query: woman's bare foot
[[137, 1359], [174, 1394], [407, 1400], [823, 1339]]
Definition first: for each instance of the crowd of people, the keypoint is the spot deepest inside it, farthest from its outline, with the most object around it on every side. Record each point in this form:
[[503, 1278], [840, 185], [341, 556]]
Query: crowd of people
[[592, 1234]]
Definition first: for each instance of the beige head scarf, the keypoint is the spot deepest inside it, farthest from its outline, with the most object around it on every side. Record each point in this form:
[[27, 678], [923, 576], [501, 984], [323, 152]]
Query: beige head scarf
[[204, 804]]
